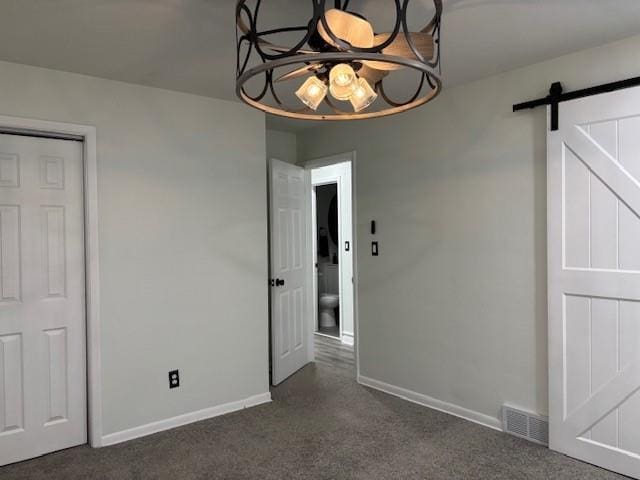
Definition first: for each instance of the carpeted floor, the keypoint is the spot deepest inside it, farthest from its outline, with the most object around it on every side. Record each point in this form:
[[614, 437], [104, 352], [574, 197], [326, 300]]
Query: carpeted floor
[[321, 425]]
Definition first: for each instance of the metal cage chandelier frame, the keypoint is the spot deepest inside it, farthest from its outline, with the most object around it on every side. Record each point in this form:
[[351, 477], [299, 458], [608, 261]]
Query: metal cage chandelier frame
[[327, 41]]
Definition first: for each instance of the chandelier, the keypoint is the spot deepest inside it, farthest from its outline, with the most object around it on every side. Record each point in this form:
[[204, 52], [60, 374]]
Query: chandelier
[[337, 66]]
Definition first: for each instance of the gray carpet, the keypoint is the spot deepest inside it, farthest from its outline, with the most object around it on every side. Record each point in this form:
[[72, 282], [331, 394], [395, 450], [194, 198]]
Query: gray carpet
[[321, 425]]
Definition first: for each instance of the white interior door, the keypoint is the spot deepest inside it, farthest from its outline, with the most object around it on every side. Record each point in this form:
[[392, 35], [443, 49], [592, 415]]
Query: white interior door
[[594, 281], [42, 326], [289, 292]]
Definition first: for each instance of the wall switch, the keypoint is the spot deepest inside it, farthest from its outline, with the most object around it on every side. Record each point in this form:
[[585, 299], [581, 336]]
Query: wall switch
[[174, 379], [374, 249]]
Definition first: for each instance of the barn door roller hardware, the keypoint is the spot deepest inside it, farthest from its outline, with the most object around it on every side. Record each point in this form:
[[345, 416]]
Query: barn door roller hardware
[[557, 96]]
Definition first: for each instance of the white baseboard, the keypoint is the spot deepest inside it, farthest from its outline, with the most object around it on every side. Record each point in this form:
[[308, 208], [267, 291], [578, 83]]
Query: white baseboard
[[161, 425], [347, 338], [430, 402]]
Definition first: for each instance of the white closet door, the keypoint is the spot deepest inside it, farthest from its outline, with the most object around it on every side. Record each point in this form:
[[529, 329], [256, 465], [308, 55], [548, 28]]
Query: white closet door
[[289, 328], [42, 321], [594, 281]]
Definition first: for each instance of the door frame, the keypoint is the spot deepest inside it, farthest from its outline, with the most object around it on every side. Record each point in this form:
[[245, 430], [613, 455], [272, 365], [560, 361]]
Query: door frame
[[91, 250], [346, 157]]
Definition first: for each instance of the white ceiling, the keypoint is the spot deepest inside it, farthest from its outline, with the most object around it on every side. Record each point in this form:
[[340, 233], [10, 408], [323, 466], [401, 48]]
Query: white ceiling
[[189, 45]]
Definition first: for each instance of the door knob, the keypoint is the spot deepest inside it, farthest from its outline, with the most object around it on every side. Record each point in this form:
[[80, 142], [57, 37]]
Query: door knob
[[279, 282]]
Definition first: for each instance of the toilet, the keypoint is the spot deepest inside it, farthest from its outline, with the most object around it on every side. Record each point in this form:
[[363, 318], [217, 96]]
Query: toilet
[[328, 298], [327, 304]]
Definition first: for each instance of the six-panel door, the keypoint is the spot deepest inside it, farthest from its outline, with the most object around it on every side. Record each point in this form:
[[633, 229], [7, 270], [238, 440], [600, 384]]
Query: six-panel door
[[42, 318], [289, 324]]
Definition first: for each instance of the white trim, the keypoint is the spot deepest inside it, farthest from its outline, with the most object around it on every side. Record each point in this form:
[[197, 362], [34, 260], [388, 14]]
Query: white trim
[[185, 419], [433, 403], [92, 278], [326, 335], [347, 338], [312, 306], [323, 162]]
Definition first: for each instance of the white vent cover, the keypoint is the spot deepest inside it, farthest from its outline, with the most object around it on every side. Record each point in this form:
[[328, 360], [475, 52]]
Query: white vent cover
[[525, 425]]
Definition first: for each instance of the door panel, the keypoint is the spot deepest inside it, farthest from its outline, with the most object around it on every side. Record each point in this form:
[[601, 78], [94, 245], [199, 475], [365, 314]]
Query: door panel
[[10, 253], [42, 323], [594, 281], [289, 325], [12, 415]]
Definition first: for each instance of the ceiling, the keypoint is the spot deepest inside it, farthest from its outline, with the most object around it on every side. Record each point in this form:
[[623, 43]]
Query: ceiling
[[189, 45]]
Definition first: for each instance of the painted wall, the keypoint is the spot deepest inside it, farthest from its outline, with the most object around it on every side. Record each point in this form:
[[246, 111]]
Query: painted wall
[[282, 146], [183, 239], [455, 305]]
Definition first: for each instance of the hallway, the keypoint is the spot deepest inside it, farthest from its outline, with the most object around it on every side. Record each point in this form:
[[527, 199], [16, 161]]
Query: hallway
[[333, 353]]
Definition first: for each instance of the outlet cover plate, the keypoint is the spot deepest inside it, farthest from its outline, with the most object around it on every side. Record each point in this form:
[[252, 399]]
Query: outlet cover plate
[[174, 379]]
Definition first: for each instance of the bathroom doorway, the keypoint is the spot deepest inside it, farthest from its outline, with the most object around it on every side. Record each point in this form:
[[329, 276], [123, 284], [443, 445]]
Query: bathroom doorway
[[328, 262], [333, 247]]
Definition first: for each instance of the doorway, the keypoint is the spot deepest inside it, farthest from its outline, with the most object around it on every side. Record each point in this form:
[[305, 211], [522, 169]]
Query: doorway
[[332, 263], [313, 317], [327, 265]]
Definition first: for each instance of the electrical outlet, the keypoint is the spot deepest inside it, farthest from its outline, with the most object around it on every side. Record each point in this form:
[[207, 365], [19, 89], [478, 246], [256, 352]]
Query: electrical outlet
[[174, 379]]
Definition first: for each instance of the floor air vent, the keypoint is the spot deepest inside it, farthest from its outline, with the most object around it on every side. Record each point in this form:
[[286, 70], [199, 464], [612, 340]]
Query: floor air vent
[[525, 425]]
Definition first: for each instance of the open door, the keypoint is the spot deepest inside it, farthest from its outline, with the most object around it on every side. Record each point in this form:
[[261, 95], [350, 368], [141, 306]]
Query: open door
[[289, 190], [594, 281]]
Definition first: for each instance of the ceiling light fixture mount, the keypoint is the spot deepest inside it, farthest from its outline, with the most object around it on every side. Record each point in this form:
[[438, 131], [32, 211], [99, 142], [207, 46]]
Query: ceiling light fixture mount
[[338, 60]]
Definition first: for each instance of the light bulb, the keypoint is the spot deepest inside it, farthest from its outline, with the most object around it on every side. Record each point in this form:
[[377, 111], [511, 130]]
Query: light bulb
[[312, 92], [342, 80], [363, 95]]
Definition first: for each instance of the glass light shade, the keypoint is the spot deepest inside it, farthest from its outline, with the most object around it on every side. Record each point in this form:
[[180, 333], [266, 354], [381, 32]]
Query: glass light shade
[[363, 95], [342, 80], [312, 92]]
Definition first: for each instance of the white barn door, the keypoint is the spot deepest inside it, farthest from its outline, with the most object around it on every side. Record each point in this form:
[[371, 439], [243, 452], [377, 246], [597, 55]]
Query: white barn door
[[42, 322], [594, 281], [289, 187]]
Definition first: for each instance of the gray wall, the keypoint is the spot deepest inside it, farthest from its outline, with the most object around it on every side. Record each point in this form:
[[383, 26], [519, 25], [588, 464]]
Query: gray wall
[[183, 239], [282, 146], [455, 306]]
